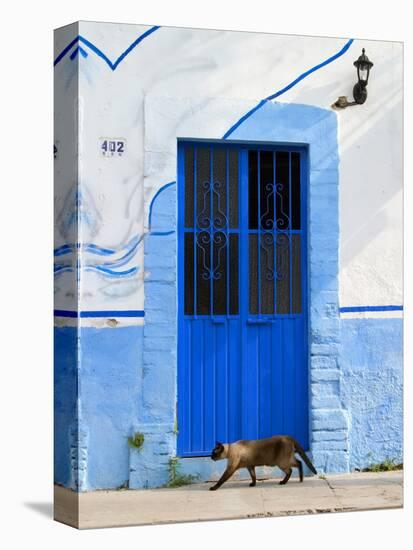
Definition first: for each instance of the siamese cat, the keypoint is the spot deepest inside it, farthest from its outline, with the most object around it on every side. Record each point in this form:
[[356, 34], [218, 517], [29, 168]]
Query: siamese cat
[[273, 451]]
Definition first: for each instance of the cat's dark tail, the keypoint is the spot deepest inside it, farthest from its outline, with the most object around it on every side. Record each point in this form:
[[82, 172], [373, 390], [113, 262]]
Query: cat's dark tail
[[300, 451]]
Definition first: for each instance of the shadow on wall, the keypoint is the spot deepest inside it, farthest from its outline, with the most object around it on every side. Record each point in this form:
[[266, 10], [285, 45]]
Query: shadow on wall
[[371, 167]]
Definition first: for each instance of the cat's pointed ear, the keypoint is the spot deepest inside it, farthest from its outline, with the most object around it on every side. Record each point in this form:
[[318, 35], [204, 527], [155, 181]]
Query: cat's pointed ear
[[218, 444]]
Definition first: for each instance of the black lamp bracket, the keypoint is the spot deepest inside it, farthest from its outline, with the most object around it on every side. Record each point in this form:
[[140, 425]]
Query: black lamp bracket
[[360, 88]]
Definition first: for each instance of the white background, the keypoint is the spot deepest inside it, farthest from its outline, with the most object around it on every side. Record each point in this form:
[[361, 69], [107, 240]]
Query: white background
[[26, 271]]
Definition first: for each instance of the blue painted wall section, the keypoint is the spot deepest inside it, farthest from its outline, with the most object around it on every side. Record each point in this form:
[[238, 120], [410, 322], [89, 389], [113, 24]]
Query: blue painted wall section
[[157, 413], [111, 381], [371, 363], [96, 404], [65, 407]]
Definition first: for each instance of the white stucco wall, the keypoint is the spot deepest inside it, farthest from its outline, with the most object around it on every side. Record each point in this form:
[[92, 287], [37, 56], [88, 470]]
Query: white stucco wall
[[214, 70]]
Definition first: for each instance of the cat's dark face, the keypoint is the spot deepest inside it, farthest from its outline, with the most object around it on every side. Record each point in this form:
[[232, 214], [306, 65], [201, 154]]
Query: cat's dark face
[[218, 451]]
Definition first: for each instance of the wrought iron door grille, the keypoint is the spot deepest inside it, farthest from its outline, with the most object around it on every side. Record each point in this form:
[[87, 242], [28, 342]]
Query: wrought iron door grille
[[211, 230], [212, 234], [274, 230]]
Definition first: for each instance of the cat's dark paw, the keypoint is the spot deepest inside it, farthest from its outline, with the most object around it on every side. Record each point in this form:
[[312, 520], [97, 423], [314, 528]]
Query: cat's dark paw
[[213, 488], [252, 484]]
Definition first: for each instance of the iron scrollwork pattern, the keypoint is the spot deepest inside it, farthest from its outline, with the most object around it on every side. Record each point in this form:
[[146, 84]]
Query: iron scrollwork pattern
[[212, 236], [204, 241], [269, 219], [219, 219], [211, 227], [282, 246], [267, 245]]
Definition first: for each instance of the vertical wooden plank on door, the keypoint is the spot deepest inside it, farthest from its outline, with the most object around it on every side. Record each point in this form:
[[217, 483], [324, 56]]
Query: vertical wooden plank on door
[[289, 339], [197, 387], [251, 400], [277, 371], [264, 388], [289, 344], [209, 357], [300, 393], [219, 222], [235, 330], [209, 348], [184, 393], [221, 407], [304, 386], [255, 332], [243, 302], [235, 381], [183, 388]]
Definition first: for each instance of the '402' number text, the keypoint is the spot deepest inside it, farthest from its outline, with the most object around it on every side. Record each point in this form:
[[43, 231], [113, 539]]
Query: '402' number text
[[112, 147]]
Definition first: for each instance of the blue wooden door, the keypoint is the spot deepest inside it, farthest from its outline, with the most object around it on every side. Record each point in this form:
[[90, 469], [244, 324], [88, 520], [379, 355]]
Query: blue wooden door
[[242, 294]]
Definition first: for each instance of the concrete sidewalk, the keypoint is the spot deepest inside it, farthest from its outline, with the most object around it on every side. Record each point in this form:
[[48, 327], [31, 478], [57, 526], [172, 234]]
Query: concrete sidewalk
[[338, 493]]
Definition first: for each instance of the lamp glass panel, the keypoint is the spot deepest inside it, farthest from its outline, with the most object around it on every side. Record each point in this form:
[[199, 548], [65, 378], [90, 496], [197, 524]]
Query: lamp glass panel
[[363, 73]]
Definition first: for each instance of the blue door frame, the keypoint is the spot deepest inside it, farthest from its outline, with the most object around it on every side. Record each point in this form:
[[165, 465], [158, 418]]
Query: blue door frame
[[242, 361]]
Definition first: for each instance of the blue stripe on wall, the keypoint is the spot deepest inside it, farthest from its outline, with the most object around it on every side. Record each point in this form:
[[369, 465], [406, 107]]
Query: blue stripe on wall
[[351, 309], [107, 313], [288, 87], [166, 186], [141, 313], [98, 52]]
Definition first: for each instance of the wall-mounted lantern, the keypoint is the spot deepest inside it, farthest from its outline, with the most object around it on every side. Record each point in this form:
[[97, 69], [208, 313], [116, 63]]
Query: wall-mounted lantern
[[363, 66]]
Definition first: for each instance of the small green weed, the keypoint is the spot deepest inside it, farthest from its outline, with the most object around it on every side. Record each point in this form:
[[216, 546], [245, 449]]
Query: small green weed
[[136, 441], [175, 429], [176, 478], [388, 465]]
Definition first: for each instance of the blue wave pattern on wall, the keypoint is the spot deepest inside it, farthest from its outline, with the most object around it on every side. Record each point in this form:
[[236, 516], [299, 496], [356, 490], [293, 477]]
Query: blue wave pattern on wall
[[112, 64], [106, 268]]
